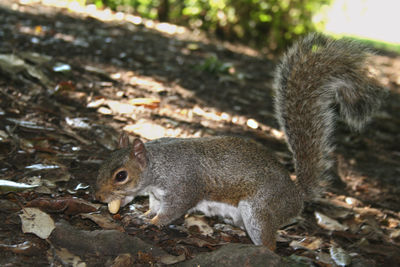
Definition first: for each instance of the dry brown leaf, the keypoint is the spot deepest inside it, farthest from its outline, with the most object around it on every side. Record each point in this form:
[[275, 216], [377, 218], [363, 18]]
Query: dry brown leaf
[[310, 243], [146, 102], [147, 130], [25, 248], [329, 223], [340, 256], [69, 259], [145, 257], [37, 222], [123, 260], [199, 223], [104, 221], [67, 205]]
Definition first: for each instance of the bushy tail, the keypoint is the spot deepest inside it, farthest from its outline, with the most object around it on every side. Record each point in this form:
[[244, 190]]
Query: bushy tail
[[315, 75]]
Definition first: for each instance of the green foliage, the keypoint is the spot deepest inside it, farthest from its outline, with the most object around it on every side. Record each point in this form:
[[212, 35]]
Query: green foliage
[[213, 65], [376, 44], [259, 22]]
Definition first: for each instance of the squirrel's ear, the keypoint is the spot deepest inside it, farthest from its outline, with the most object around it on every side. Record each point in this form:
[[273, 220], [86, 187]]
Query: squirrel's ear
[[138, 151], [123, 141]]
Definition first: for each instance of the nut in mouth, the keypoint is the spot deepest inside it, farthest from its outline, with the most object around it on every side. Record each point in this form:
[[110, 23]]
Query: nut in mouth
[[114, 205]]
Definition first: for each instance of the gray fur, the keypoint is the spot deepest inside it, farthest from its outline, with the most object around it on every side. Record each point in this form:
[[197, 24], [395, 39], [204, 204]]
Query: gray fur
[[316, 74], [237, 178]]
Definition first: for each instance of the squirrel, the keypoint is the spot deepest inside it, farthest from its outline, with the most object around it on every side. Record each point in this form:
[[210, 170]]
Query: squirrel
[[239, 179]]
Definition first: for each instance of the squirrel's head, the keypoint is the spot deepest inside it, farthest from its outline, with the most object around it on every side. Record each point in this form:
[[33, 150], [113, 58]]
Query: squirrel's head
[[119, 176]]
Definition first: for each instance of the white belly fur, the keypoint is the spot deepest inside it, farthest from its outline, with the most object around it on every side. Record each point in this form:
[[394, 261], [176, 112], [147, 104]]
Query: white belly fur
[[230, 214]]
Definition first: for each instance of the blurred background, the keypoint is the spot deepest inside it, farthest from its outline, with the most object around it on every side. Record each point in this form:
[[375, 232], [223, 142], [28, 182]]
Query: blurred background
[[271, 24]]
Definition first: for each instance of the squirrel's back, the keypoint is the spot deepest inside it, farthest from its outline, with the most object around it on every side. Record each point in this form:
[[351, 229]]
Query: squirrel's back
[[314, 76], [228, 157]]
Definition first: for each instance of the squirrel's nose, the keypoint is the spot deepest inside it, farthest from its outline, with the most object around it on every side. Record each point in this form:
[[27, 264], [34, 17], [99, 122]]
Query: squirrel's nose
[[97, 196]]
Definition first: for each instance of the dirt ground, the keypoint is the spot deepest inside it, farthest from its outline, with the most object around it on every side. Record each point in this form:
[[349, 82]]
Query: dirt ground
[[71, 81]]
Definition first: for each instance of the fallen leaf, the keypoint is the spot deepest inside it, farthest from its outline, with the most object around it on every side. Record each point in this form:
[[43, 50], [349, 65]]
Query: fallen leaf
[[65, 86], [395, 234], [104, 221], [145, 257], [30, 124], [69, 259], [121, 108], [252, 123], [37, 222], [309, 243], [340, 256], [61, 67], [329, 223], [11, 63], [78, 123], [146, 102], [104, 111], [37, 167], [147, 130], [393, 223], [25, 248], [3, 134], [98, 71], [36, 73], [35, 57], [325, 258], [10, 186], [353, 201], [123, 260], [96, 103], [81, 186], [67, 205], [229, 229], [198, 222]]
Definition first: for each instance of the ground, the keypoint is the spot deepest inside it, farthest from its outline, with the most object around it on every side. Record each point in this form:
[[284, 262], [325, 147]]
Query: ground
[[71, 81]]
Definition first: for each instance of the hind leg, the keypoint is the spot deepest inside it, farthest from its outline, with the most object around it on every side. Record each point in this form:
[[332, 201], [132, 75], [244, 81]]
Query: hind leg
[[260, 226]]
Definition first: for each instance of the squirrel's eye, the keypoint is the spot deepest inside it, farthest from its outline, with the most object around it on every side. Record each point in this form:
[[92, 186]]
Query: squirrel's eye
[[121, 176]]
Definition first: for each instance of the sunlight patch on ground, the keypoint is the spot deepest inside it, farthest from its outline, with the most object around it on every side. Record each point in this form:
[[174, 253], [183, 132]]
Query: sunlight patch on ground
[[373, 19], [78, 6]]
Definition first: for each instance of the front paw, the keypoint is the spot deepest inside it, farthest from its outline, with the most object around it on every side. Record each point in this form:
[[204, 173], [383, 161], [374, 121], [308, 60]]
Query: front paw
[[149, 214], [156, 221], [146, 217], [160, 220]]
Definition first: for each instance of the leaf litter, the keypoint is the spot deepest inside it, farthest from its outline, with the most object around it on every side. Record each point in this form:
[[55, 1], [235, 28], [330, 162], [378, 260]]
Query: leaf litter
[[61, 114], [37, 222]]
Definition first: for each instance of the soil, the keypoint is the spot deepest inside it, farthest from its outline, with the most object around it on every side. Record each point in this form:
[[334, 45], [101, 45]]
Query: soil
[[72, 80]]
